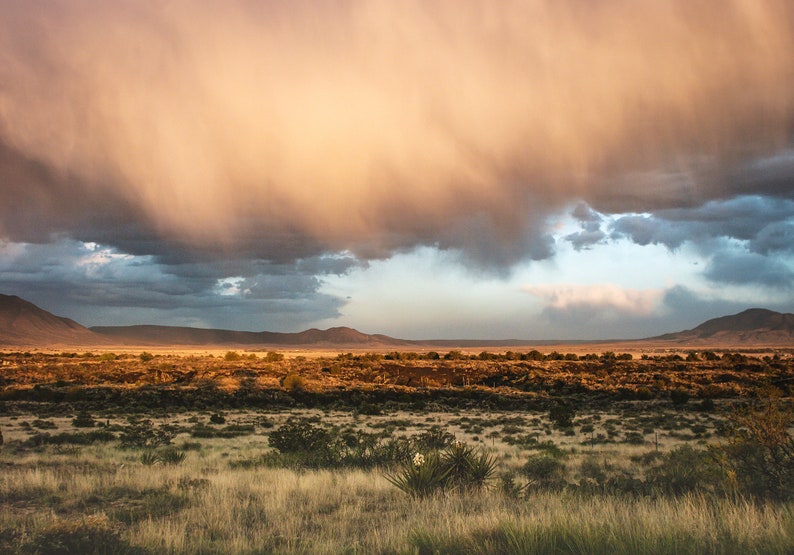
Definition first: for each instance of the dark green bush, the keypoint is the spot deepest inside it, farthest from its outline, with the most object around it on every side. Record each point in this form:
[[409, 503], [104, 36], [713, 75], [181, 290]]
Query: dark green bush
[[684, 470], [65, 438], [679, 397], [644, 394], [510, 488], [142, 433], [83, 420], [433, 439], [314, 444], [545, 471], [562, 415]]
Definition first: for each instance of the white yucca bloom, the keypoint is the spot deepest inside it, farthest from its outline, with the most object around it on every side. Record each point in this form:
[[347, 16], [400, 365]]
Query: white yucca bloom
[[419, 459]]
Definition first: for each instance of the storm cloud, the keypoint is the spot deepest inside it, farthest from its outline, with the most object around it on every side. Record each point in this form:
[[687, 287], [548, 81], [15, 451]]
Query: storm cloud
[[283, 130], [98, 285], [220, 162]]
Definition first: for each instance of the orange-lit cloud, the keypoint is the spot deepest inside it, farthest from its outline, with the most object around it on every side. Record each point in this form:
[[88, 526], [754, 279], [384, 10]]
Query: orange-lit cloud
[[292, 127]]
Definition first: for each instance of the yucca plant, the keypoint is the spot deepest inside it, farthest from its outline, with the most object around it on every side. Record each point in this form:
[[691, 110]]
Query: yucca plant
[[423, 476], [150, 458], [457, 467], [482, 467], [467, 469], [172, 456]]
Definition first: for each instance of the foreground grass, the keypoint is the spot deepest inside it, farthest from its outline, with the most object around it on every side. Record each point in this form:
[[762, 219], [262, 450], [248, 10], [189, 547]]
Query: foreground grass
[[102, 499]]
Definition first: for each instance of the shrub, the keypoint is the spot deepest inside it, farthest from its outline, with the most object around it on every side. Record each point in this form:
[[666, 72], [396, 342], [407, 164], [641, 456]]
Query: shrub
[[313, 443], [83, 420], [592, 469], [217, 418], [679, 397], [144, 434], [65, 438], [684, 470], [433, 439], [759, 455], [644, 394], [293, 383], [232, 356], [146, 357], [706, 405], [545, 471], [562, 415], [273, 356], [510, 488]]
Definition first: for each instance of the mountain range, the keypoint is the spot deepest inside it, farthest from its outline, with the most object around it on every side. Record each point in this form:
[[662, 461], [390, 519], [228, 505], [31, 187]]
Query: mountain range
[[170, 335], [24, 324]]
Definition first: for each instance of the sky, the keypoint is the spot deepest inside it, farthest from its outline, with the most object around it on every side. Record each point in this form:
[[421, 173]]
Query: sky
[[528, 169]]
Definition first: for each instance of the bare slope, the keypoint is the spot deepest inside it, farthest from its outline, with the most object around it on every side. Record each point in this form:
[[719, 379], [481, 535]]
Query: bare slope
[[23, 323], [753, 326]]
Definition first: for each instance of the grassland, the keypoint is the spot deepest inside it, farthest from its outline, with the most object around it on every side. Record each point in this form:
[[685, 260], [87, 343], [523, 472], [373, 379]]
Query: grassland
[[136, 453]]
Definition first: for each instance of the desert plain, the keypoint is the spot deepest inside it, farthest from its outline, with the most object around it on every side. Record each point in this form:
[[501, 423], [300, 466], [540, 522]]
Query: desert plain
[[568, 448]]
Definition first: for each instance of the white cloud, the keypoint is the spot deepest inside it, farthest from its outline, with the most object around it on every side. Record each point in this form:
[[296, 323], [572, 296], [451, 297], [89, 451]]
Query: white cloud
[[567, 297]]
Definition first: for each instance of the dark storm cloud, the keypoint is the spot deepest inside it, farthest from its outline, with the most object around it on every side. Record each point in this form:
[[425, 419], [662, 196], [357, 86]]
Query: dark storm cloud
[[75, 279], [763, 222], [284, 131], [774, 238], [766, 175], [749, 268], [591, 233], [743, 237]]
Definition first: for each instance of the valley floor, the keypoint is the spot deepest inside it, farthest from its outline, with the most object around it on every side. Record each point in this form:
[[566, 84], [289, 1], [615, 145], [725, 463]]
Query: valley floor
[[158, 454]]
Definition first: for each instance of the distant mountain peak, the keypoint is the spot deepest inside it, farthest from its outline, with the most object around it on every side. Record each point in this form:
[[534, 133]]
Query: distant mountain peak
[[24, 323], [751, 326]]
